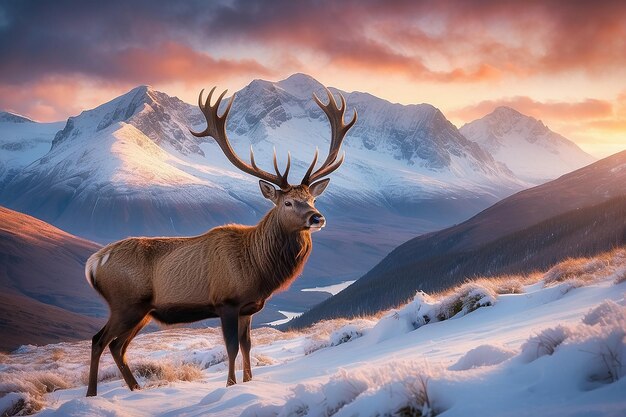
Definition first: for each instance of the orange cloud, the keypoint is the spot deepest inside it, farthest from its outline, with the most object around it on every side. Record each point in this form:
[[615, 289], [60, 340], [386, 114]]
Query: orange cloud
[[587, 109], [54, 98], [174, 61]]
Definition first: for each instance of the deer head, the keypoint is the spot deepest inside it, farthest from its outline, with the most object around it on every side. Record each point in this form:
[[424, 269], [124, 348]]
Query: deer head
[[294, 203]]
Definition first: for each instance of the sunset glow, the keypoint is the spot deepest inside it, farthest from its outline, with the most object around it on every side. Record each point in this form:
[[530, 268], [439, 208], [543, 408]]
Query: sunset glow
[[561, 62]]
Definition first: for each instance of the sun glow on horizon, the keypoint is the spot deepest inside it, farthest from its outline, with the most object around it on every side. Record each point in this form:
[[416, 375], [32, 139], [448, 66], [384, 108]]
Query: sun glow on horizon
[[465, 58]]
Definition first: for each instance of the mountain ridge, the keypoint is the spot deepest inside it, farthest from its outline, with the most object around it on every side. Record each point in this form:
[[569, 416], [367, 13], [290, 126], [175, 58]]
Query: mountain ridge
[[130, 167], [526, 145], [435, 260]]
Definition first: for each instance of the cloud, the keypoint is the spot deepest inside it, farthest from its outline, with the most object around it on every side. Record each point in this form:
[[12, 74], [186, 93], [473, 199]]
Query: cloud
[[589, 109], [54, 98], [122, 44], [443, 41]]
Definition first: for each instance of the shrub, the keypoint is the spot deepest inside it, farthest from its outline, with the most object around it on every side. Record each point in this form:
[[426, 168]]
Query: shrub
[[604, 313], [420, 404], [158, 372], [345, 334], [583, 269], [544, 343], [22, 393], [465, 299]]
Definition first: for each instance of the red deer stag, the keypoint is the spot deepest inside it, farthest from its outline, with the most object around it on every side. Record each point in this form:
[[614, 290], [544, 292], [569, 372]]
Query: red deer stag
[[228, 272]]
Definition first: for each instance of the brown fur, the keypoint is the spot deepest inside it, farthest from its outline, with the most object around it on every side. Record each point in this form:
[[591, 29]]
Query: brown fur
[[227, 272]]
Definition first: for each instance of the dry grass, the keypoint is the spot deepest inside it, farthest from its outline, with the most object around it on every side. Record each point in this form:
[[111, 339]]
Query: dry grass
[[24, 405], [57, 354], [466, 298], [584, 271], [158, 372], [29, 389], [544, 343], [105, 374], [262, 360], [507, 284], [267, 335], [420, 404]]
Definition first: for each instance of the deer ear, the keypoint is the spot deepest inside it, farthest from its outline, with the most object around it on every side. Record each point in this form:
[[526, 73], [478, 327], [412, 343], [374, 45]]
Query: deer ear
[[268, 191], [318, 188]]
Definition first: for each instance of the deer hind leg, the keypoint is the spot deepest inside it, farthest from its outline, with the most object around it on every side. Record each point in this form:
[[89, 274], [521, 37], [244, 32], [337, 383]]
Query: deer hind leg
[[245, 343], [98, 343], [118, 350], [230, 329]]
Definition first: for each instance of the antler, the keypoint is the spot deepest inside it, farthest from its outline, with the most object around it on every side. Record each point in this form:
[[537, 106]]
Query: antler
[[216, 128], [339, 129]]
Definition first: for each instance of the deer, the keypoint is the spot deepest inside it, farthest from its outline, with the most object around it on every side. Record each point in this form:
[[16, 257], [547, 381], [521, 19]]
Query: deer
[[229, 271]]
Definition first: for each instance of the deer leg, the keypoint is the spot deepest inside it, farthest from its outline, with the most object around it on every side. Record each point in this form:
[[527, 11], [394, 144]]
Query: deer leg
[[118, 350], [245, 342], [98, 343], [230, 329]]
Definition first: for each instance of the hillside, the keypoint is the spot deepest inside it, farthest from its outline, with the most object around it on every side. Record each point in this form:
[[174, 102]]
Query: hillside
[[45, 297], [549, 345], [578, 214]]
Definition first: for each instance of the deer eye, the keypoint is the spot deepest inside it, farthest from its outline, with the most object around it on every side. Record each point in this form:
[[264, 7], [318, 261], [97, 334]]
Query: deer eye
[[288, 203]]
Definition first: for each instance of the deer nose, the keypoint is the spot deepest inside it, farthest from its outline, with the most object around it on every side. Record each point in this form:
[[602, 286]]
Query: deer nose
[[317, 220]]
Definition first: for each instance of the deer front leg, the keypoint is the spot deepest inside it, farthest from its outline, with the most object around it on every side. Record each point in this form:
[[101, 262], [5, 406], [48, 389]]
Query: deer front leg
[[230, 329], [245, 342]]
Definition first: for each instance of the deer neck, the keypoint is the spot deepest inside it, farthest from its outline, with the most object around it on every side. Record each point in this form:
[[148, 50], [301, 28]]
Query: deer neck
[[280, 255]]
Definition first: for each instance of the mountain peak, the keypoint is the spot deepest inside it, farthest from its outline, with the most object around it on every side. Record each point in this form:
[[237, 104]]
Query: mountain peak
[[157, 115], [300, 85], [525, 145], [7, 116], [507, 110]]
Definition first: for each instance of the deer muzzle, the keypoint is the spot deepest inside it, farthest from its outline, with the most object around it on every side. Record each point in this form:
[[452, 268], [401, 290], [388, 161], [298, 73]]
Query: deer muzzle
[[316, 222]]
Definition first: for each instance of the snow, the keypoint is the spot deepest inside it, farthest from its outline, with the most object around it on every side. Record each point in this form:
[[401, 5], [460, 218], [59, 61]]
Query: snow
[[525, 145], [548, 348], [289, 315], [406, 167], [331, 289], [24, 142], [141, 140]]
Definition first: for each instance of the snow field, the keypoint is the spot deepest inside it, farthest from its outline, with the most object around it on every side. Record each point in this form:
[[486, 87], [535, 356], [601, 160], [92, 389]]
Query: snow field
[[509, 346]]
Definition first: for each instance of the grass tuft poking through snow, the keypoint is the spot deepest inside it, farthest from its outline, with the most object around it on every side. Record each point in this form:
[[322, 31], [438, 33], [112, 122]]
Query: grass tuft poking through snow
[[158, 372], [344, 334], [548, 341], [23, 393], [544, 343]]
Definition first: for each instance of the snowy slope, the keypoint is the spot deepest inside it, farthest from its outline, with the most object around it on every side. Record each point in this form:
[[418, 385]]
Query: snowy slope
[[551, 344], [525, 145], [22, 141], [130, 167]]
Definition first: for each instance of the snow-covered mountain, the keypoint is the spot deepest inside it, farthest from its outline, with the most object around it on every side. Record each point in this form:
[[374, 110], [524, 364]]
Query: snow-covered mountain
[[22, 141], [547, 345], [525, 145], [7, 116], [130, 167]]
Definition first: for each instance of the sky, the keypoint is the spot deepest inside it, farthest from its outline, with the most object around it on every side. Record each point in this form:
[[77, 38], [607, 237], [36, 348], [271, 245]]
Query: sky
[[563, 62]]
